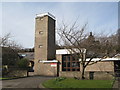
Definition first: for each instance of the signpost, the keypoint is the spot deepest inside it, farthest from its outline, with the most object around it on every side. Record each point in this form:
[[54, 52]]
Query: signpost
[[53, 64]]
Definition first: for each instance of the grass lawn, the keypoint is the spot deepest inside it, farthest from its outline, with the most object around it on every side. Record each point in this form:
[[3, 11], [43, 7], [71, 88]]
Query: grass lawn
[[74, 83], [7, 78], [3, 78]]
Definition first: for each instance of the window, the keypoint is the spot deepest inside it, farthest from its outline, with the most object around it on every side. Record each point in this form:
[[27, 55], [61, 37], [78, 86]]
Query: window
[[70, 63], [40, 46], [41, 18], [41, 32]]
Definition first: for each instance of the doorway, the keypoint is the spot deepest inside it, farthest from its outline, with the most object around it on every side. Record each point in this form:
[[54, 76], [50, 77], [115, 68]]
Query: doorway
[[117, 68], [91, 75]]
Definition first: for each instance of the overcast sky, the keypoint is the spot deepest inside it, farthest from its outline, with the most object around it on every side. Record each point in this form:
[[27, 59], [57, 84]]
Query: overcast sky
[[18, 18]]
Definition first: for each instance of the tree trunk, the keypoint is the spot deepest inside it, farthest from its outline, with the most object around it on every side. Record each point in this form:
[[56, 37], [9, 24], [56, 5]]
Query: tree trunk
[[82, 72]]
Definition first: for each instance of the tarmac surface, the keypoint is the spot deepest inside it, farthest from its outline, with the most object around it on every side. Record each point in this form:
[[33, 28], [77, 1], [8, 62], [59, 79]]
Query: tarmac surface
[[36, 82], [28, 82]]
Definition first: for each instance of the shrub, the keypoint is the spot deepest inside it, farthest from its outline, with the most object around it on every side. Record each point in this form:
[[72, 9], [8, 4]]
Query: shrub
[[60, 79], [23, 63]]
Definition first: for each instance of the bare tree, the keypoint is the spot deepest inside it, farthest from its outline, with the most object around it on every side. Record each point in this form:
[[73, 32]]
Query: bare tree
[[6, 41], [9, 50], [118, 40], [109, 44], [72, 38]]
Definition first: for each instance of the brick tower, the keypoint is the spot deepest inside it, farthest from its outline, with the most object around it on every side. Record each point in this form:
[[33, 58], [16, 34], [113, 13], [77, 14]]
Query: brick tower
[[44, 41]]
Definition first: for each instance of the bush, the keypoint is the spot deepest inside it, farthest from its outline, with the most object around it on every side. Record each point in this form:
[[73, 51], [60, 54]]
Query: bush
[[23, 63], [60, 79], [9, 56]]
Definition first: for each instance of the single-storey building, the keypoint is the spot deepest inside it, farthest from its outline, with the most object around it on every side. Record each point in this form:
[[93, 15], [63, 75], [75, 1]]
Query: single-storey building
[[69, 67], [66, 66], [51, 62]]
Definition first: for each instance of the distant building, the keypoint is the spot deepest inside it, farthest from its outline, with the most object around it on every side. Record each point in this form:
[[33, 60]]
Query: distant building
[[27, 55]]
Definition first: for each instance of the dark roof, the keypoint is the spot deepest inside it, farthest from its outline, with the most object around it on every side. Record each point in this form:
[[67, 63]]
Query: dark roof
[[28, 55]]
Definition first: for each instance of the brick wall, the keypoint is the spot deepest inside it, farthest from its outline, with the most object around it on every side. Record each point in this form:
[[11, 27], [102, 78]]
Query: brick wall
[[96, 75], [16, 73], [101, 70], [45, 69], [101, 66]]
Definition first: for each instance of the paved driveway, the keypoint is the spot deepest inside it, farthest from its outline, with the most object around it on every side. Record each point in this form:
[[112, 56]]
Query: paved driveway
[[28, 82]]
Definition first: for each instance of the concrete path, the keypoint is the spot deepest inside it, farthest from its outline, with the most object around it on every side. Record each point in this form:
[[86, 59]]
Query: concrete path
[[28, 82]]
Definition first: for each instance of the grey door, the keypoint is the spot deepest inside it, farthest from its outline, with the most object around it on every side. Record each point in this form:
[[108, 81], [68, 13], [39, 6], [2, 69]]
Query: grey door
[[91, 75]]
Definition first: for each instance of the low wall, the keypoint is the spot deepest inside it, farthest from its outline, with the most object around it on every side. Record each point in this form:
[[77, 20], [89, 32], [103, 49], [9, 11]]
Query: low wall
[[69, 74], [16, 73], [96, 75]]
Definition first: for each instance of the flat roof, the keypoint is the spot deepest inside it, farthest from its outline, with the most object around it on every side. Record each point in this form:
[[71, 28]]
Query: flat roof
[[62, 51], [67, 51], [49, 61], [44, 14], [100, 59]]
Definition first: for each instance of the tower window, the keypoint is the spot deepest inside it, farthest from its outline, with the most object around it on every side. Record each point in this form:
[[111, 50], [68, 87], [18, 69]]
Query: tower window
[[40, 46], [41, 19], [40, 32]]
